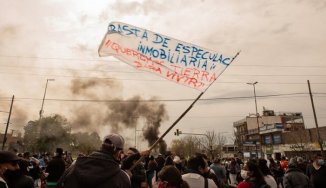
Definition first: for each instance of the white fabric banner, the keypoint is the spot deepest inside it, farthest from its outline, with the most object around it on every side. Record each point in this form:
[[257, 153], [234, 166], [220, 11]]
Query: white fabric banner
[[175, 60]]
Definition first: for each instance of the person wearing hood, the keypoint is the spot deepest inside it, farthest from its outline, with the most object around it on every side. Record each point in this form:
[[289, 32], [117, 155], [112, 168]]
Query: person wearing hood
[[8, 162], [19, 178], [294, 177], [99, 169]]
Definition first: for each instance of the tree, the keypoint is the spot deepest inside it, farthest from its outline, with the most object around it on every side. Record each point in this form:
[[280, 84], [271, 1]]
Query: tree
[[85, 142], [212, 143], [300, 142], [47, 134], [186, 146]]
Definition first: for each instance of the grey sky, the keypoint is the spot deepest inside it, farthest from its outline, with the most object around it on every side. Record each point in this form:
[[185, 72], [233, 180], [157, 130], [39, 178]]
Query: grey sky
[[282, 45]]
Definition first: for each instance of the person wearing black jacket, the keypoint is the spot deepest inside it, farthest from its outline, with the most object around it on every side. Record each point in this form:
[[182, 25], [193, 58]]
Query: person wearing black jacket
[[8, 162], [99, 169], [294, 177], [317, 172], [138, 174], [55, 168], [19, 178]]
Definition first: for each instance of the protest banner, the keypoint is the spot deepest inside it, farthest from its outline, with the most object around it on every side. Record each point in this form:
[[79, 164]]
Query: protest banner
[[175, 60], [181, 62]]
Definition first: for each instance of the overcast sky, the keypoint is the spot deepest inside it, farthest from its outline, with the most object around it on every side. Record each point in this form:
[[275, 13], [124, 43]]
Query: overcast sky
[[282, 46]]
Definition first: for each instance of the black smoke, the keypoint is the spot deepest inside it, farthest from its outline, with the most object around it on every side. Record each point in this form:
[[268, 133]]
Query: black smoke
[[118, 113]]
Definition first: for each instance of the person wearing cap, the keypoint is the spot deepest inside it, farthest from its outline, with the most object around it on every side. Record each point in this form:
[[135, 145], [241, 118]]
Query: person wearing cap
[[178, 163], [99, 169], [19, 178], [8, 161]]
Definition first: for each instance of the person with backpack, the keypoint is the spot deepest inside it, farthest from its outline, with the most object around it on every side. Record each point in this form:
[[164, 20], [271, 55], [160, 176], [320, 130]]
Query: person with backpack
[[198, 172]]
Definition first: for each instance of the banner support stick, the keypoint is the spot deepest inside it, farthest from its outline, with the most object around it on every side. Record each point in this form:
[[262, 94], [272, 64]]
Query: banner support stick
[[176, 121]]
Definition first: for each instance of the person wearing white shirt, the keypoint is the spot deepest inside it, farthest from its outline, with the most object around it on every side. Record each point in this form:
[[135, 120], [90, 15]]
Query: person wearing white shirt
[[198, 172]]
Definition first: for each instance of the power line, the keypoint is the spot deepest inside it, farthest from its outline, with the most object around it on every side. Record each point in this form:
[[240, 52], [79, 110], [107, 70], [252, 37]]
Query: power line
[[56, 58], [141, 72], [101, 59], [150, 80], [69, 69], [160, 100]]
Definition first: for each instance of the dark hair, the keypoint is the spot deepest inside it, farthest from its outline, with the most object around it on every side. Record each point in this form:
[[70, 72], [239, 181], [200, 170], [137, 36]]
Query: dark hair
[[256, 173], [195, 162], [172, 175], [168, 161], [203, 155], [23, 165], [134, 150], [318, 155], [109, 147], [262, 163], [271, 160], [59, 151]]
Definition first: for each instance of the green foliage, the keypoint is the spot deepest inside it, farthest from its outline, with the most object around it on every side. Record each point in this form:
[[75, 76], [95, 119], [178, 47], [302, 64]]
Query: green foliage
[[85, 142], [54, 131], [46, 134]]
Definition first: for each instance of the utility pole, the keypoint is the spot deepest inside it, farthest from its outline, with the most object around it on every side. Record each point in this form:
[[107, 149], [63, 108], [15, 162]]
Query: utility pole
[[258, 128], [46, 86], [320, 141], [8, 121]]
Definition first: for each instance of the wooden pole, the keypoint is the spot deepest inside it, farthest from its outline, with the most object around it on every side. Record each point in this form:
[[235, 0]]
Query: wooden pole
[[320, 141], [168, 130], [8, 121]]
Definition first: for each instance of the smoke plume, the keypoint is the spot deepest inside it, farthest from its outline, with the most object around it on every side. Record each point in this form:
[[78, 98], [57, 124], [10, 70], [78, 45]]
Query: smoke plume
[[116, 112]]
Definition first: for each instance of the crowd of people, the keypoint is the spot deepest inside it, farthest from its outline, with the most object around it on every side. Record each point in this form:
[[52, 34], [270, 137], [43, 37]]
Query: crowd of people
[[111, 166]]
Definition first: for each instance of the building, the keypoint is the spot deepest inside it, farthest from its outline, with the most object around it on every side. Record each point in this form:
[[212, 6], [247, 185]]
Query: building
[[302, 143], [256, 134], [229, 151], [14, 141]]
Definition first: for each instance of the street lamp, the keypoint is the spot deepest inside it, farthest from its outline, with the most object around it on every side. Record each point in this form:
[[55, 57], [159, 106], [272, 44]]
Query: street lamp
[[254, 84], [46, 86], [258, 129]]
